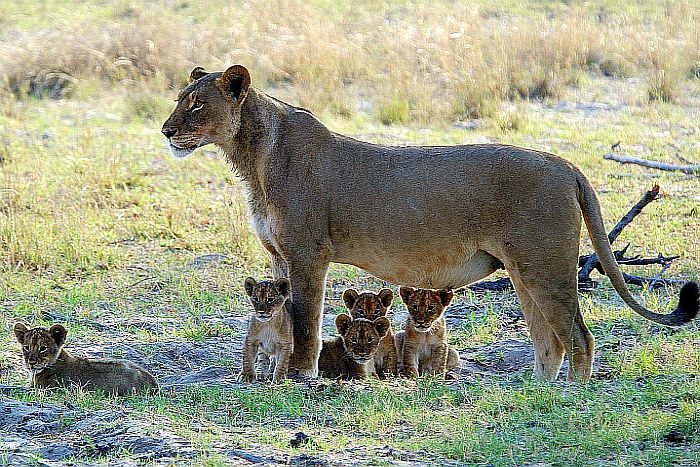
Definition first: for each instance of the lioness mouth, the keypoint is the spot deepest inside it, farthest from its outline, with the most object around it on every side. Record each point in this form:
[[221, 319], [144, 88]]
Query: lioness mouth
[[180, 153]]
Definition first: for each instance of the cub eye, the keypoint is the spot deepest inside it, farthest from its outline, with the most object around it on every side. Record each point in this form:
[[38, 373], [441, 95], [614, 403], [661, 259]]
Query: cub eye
[[353, 340], [430, 307], [197, 106], [270, 300], [370, 340], [42, 349], [26, 348]]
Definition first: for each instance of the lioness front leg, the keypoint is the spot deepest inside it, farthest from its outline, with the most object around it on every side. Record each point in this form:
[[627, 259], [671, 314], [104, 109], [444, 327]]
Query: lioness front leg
[[282, 359], [250, 353], [308, 280]]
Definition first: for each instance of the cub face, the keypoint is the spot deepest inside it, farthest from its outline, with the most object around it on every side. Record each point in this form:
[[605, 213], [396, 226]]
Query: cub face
[[361, 336], [368, 305], [40, 346], [208, 110], [425, 305], [267, 297]]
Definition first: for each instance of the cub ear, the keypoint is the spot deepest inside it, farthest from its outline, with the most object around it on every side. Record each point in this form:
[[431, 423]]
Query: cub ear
[[249, 284], [197, 73], [446, 296], [342, 323], [406, 293], [386, 296], [382, 325], [58, 332], [283, 286], [350, 297], [20, 331], [234, 82]]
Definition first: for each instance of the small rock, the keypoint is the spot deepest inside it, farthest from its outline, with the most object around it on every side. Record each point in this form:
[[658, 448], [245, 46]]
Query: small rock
[[300, 438]]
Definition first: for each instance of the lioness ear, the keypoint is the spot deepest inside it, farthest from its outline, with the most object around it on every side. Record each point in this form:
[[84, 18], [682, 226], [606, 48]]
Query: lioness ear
[[382, 325], [58, 332], [249, 284], [197, 73], [386, 296], [342, 323], [20, 331], [350, 297], [446, 296], [283, 286], [234, 82], [406, 293]]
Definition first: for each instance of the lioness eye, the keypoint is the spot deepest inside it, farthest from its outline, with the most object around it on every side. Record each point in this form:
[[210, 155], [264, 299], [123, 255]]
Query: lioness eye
[[26, 348], [196, 106]]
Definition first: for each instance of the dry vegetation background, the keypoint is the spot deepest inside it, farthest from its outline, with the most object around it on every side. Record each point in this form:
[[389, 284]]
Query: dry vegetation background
[[405, 61]]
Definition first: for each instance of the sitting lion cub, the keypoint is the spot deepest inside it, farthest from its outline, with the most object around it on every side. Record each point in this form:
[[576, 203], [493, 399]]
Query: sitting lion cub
[[371, 306], [51, 366], [348, 356], [422, 347], [270, 338]]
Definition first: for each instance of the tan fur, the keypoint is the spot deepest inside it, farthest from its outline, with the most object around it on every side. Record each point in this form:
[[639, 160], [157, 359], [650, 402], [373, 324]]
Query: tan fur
[[270, 337], [350, 355], [423, 345], [51, 366], [429, 217], [371, 306]]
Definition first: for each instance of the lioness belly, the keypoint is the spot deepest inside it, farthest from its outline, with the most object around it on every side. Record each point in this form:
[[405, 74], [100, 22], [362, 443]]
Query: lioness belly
[[430, 270]]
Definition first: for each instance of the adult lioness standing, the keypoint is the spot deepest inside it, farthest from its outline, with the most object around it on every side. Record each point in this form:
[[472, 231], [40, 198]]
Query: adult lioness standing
[[431, 217]]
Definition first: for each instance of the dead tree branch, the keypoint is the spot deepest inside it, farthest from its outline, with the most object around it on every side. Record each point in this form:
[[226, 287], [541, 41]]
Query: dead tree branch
[[688, 169], [648, 197]]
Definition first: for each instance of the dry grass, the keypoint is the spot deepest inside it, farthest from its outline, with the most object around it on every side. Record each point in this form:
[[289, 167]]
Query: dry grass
[[406, 62]]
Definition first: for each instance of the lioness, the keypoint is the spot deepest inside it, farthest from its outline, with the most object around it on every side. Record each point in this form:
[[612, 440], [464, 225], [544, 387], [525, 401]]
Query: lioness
[[52, 366], [371, 306], [270, 339], [349, 355], [422, 346], [419, 216]]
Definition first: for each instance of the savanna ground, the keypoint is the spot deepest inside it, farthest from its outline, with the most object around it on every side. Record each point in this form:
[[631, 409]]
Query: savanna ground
[[143, 257]]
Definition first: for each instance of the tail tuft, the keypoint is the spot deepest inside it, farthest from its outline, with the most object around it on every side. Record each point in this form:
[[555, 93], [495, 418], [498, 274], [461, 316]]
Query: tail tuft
[[688, 304]]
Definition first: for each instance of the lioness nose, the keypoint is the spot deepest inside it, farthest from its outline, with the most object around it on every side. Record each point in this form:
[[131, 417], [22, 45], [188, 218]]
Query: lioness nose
[[169, 132]]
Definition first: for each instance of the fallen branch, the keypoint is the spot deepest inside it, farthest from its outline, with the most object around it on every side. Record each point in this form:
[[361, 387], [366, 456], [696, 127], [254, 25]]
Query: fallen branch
[[648, 197], [688, 169]]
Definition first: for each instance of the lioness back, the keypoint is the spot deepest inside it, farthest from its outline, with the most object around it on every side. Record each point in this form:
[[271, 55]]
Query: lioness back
[[51, 366]]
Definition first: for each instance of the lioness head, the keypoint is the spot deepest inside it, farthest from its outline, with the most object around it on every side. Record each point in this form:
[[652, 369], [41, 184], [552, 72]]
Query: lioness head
[[425, 305], [361, 336], [267, 297], [368, 305], [40, 346], [208, 110]]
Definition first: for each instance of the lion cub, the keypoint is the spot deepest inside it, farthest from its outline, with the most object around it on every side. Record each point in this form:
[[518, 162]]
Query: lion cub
[[348, 356], [270, 338], [371, 306], [422, 347], [52, 366]]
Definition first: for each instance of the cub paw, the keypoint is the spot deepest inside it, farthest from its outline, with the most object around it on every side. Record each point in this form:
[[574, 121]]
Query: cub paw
[[245, 377]]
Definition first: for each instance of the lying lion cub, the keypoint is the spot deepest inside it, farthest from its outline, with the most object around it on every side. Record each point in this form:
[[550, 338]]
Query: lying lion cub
[[270, 338], [348, 356], [51, 366], [422, 347], [371, 306]]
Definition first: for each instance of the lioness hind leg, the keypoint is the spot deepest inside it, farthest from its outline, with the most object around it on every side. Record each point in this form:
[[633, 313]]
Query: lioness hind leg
[[559, 305], [549, 351]]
